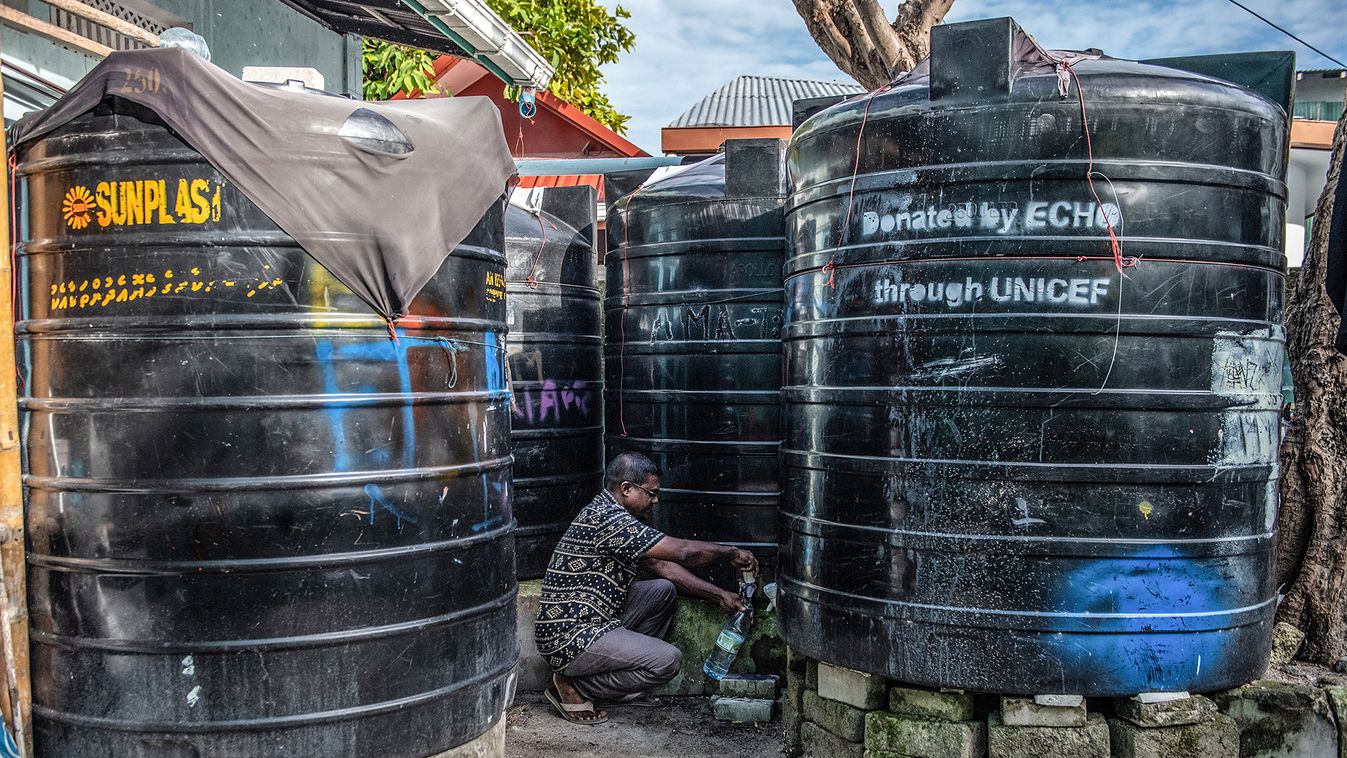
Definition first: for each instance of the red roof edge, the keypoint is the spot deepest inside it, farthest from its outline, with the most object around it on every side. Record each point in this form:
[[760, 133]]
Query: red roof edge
[[444, 64], [593, 128]]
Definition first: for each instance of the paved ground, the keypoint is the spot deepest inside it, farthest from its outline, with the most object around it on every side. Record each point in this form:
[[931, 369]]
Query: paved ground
[[681, 728]]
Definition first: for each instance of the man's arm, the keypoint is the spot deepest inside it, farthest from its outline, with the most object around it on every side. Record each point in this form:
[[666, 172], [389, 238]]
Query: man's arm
[[698, 553], [691, 584]]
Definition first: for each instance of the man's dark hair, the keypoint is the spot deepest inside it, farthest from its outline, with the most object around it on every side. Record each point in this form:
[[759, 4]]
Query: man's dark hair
[[628, 467]]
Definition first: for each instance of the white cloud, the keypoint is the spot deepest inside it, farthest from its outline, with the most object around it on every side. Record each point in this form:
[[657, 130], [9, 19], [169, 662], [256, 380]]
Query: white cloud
[[685, 49]]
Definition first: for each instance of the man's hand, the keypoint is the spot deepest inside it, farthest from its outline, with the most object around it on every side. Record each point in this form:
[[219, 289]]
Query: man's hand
[[731, 602], [744, 561]]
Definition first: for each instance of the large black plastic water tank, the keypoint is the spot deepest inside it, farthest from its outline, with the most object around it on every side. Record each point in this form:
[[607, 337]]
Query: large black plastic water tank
[[256, 524], [556, 372], [692, 345], [1010, 464]]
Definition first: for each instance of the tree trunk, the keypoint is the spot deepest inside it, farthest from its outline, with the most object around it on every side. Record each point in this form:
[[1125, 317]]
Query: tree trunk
[[859, 38], [1312, 555]]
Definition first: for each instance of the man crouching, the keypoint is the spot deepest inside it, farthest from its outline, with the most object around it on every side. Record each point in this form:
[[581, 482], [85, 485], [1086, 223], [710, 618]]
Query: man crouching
[[599, 629]]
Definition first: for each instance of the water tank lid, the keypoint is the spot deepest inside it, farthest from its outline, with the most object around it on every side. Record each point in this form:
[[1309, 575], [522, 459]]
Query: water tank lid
[[383, 211]]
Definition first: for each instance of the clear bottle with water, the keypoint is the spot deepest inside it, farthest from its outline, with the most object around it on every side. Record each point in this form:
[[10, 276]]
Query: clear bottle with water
[[732, 635]]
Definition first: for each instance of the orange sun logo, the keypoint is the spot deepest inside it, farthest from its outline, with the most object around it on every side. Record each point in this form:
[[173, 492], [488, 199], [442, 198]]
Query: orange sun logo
[[77, 207]]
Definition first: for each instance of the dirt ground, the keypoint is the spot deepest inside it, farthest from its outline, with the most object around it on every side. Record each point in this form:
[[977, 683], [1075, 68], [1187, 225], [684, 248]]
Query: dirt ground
[[682, 727]]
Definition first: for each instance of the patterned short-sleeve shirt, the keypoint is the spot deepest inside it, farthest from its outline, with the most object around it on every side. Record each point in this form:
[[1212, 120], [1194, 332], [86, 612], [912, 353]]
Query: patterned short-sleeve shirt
[[585, 587]]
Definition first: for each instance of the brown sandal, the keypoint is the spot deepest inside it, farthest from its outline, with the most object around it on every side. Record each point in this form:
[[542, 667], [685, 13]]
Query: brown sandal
[[571, 711]]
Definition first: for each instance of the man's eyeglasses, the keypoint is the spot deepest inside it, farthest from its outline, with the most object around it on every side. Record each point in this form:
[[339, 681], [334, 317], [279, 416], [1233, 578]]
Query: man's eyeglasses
[[654, 494]]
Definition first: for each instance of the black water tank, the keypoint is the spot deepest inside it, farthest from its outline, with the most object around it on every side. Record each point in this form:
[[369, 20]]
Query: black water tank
[[693, 341], [1011, 464], [256, 524], [556, 371]]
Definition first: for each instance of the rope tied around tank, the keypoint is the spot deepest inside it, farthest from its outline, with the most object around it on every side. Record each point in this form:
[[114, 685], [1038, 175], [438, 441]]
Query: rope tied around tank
[[1066, 74], [830, 268], [532, 279]]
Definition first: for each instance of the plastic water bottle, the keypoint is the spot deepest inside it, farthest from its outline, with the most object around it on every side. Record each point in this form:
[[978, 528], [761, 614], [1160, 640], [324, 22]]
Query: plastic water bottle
[[732, 635]]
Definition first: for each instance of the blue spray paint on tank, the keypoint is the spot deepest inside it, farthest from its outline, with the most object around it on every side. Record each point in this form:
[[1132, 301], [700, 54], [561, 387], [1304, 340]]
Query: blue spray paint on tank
[[1157, 606], [494, 360], [380, 350], [377, 497]]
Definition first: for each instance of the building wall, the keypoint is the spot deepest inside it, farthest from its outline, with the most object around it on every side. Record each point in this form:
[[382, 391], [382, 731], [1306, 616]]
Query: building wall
[[239, 32], [1318, 96], [268, 33]]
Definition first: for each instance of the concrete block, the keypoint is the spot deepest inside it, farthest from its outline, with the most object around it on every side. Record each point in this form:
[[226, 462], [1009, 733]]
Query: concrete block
[[839, 718], [1216, 737], [1337, 698], [1063, 701], [930, 704], [855, 688], [742, 709], [1089, 741], [817, 742], [792, 713], [923, 738], [1022, 711], [1280, 719], [489, 744], [534, 673], [697, 624], [1194, 709], [811, 674], [760, 686]]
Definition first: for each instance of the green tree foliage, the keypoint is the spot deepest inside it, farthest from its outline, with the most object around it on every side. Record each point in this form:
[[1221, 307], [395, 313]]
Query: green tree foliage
[[390, 69], [579, 37]]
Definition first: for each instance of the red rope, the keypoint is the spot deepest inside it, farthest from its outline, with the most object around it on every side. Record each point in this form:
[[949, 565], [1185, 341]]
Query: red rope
[[1127, 262], [532, 279], [1115, 245], [831, 266]]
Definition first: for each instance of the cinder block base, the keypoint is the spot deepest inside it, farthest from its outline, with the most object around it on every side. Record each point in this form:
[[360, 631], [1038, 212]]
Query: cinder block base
[[1218, 737], [491, 744], [1280, 719], [741, 710], [792, 710], [1023, 711], [930, 704], [855, 688], [818, 742], [923, 738], [1190, 710], [1089, 741], [839, 718], [534, 673], [760, 686]]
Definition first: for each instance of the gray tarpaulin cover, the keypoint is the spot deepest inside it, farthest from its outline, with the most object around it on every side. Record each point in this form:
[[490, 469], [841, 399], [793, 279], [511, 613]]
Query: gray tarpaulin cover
[[378, 193]]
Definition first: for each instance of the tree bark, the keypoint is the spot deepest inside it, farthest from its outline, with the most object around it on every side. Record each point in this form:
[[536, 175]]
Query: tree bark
[[1312, 554], [860, 39]]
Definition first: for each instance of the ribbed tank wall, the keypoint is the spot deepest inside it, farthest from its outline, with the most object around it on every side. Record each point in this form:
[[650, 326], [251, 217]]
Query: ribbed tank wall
[[693, 346], [1012, 465], [256, 524], [556, 378]]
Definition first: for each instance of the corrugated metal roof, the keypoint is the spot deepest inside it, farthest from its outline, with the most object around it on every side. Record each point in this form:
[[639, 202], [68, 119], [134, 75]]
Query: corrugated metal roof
[[758, 101], [1327, 73]]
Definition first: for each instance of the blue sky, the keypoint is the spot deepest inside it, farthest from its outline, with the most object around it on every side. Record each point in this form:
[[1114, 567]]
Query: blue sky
[[685, 49]]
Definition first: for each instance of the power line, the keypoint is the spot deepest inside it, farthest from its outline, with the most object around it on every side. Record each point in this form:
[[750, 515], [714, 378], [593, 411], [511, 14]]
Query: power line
[[1283, 31]]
